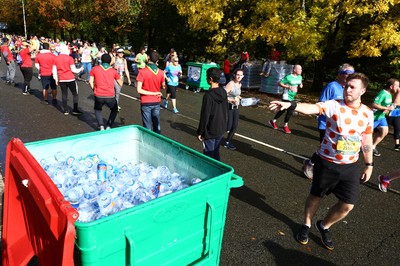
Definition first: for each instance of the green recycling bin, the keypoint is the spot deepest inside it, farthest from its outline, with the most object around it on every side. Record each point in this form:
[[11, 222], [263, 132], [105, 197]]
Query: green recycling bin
[[197, 75]]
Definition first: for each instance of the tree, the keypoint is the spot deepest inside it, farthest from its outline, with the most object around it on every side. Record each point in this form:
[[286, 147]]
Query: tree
[[311, 31]]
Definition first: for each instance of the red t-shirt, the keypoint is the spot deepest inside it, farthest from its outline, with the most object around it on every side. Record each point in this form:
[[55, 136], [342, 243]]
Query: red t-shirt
[[26, 57], [46, 60], [63, 63], [152, 81], [104, 81], [5, 49], [227, 66]]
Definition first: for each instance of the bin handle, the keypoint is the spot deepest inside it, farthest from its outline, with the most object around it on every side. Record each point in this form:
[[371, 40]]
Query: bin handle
[[209, 220], [236, 181], [130, 245]]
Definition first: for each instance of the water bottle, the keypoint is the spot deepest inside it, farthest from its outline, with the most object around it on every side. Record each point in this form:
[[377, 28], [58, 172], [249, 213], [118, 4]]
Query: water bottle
[[106, 204], [74, 196], [70, 181], [102, 171], [86, 212], [60, 157], [249, 101], [90, 192]]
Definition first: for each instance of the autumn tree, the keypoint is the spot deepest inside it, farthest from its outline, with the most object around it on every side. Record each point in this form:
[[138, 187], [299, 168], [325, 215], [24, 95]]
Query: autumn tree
[[312, 31]]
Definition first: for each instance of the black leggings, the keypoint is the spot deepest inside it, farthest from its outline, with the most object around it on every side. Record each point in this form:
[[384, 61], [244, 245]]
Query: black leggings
[[395, 121], [289, 113], [233, 122], [73, 87], [27, 72]]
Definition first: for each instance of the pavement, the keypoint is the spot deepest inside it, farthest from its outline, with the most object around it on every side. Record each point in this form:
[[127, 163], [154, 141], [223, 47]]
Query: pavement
[[264, 215]]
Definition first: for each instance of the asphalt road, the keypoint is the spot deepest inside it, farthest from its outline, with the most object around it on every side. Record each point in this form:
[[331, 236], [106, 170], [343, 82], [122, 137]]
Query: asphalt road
[[264, 215]]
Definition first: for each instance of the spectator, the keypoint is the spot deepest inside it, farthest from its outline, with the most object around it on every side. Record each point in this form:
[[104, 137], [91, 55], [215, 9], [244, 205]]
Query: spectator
[[213, 115], [10, 62]]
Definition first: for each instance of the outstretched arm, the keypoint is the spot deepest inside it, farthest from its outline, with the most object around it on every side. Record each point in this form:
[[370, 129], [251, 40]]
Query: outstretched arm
[[304, 108]]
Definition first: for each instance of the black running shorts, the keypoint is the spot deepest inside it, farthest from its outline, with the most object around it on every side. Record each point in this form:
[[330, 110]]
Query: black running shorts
[[343, 180]]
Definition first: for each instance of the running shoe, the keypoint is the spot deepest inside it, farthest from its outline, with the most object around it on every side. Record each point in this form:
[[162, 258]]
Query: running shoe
[[272, 124], [397, 147], [286, 130], [165, 104], [376, 153], [308, 168], [76, 112], [230, 146], [175, 111], [101, 128], [383, 184], [45, 102], [302, 236], [326, 236], [66, 113]]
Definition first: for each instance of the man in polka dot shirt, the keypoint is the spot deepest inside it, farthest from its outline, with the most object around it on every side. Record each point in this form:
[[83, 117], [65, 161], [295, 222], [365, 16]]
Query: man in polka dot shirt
[[349, 128]]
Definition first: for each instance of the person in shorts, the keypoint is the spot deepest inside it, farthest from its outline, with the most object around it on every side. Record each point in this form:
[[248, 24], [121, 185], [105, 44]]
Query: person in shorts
[[349, 128], [44, 62]]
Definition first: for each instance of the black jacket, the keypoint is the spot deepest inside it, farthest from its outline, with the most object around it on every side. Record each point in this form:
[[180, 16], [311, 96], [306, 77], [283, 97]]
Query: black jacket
[[214, 114]]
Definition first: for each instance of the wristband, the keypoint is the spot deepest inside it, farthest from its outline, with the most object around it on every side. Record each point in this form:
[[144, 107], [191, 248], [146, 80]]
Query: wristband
[[293, 105], [369, 164]]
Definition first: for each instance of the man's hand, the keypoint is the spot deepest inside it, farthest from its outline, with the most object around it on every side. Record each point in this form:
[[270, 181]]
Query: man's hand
[[279, 106], [366, 175]]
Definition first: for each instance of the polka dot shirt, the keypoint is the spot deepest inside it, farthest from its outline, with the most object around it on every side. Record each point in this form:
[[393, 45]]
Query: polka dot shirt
[[345, 127]]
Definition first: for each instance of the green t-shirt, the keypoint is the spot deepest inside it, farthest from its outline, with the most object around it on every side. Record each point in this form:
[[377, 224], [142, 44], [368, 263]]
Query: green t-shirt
[[290, 80], [142, 58], [384, 98]]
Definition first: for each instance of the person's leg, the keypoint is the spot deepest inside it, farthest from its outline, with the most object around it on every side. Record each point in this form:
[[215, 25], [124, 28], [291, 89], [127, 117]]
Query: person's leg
[[89, 68], [64, 92], [98, 106], [146, 116], [217, 145], [321, 135], [173, 97], [396, 132], [75, 96], [12, 70], [311, 207], [117, 91], [288, 115], [208, 147], [336, 213], [234, 124], [113, 105], [45, 85], [53, 87], [211, 147], [382, 132], [155, 118]]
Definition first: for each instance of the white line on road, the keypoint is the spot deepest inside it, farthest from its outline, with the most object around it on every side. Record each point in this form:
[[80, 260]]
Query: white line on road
[[236, 134]]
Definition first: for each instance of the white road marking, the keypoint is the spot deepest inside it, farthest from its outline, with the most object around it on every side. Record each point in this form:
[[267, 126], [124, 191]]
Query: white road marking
[[236, 134]]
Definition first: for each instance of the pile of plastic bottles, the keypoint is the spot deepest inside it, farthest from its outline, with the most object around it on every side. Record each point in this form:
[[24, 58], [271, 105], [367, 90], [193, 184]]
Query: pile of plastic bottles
[[98, 188]]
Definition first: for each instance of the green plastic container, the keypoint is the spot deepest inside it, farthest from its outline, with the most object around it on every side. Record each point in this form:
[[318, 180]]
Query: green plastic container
[[182, 228], [197, 75]]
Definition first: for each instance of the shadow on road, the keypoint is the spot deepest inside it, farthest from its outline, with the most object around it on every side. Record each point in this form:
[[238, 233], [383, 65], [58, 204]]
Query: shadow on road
[[293, 257]]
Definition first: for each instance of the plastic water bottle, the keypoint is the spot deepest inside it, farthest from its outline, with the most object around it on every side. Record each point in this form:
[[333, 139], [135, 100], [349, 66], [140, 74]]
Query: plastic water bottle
[[106, 204], [86, 212], [61, 158], [74, 196], [249, 101], [102, 171]]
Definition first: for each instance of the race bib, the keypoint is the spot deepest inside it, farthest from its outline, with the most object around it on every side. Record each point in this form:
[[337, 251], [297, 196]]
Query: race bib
[[348, 145]]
